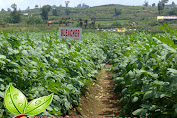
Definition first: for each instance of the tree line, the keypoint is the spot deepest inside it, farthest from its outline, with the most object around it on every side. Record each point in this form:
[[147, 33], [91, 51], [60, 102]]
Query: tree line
[[15, 15]]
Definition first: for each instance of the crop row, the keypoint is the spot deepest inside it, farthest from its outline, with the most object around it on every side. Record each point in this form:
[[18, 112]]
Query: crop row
[[39, 64], [145, 75]]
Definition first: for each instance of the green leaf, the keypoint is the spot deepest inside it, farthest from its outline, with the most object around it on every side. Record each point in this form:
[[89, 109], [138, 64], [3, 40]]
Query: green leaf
[[152, 108], [171, 70], [25, 52], [148, 95], [174, 106], [49, 108], [2, 62], [137, 112], [169, 55], [135, 99], [2, 87], [25, 72], [1, 94], [14, 100], [13, 65], [138, 93], [124, 91], [175, 110], [140, 112], [5, 34], [55, 60], [56, 98], [38, 105], [2, 57], [15, 51]]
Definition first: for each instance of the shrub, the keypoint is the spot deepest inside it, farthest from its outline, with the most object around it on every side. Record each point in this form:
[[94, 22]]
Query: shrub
[[34, 20]]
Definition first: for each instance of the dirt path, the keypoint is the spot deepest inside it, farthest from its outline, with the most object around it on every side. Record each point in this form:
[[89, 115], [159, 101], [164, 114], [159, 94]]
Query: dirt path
[[100, 100]]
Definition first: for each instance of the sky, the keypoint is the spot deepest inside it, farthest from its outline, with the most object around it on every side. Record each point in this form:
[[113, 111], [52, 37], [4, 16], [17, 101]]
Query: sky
[[23, 4]]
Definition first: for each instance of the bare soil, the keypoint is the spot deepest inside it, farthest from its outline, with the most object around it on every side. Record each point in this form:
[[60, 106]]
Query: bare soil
[[100, 100]]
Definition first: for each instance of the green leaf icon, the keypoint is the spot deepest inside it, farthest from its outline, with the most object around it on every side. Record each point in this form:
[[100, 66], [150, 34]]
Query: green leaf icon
[[36, 106], [14, 100]]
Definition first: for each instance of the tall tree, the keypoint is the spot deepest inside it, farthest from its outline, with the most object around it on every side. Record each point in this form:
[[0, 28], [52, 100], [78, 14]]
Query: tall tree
[[8, 9], [14, 6], [2, 10], [173, 3], [153, 5], [117, 12], [67, 11], [45, 11], [173, 11], [55, 12], [79, 6], [36, 6], [161, 5], [85, 6], [146, 3], [164, 1], [15, 15]]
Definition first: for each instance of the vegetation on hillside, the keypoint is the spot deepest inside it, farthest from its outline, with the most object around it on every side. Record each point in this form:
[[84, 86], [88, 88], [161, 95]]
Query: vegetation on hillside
[[106, 15]]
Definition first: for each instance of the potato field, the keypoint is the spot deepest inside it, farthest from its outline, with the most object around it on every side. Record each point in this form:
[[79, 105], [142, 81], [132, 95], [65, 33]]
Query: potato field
[[144, 70]]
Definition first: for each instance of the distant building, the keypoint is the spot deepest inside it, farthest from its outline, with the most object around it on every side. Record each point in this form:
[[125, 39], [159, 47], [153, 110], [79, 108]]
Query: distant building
[[166, 18], [36, 7], [82, 6], [85, 6], [171, 5], [25, 14]]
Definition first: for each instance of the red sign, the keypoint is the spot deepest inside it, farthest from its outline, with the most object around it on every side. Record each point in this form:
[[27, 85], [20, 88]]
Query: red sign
[[70, 33]]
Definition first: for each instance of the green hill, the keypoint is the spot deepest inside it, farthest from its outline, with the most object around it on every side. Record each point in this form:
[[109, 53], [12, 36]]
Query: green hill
[[105, 16]]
